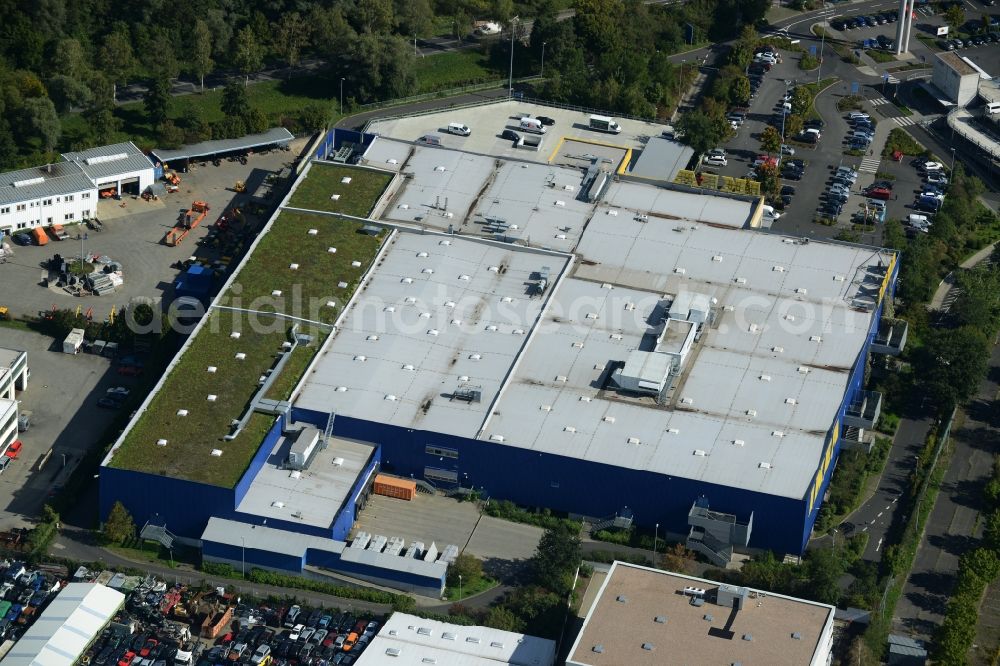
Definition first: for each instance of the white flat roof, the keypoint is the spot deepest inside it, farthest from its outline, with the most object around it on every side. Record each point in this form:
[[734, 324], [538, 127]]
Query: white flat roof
[[751, 407], [408, 639], [312, 496], [441, 313], [67, 626], [676, 205], [533, 204]]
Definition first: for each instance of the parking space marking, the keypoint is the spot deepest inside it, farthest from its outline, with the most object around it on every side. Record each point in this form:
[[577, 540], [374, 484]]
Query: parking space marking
[[870, 164]]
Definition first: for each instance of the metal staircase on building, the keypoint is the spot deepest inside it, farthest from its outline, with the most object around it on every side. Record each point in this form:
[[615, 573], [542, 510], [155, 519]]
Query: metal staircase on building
[[700, 541], [328, 431]]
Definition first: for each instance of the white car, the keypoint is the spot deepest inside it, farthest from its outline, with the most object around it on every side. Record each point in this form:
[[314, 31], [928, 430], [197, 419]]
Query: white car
[[787, 150], [296, 632], [715, 160], [120, 391], [932, 166], [937, 178], [721, 152], [933, 193], [855, 115], [770, 213]]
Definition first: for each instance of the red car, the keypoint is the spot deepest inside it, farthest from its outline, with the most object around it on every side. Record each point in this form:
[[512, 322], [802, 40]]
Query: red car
[[14, 449], [878, 193], [148, 647], [129, 370], [127, 658]]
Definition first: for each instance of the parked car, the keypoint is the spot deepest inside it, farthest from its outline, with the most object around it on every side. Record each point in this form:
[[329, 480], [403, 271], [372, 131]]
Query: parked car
[[545, 120], [715, 160]]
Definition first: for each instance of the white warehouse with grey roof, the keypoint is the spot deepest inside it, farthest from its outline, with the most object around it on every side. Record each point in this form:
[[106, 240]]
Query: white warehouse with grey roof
[[573, 339]]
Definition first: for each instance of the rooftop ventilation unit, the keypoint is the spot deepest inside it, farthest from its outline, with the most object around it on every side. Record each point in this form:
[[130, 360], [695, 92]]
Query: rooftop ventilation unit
[[469, 394], [161, 442]]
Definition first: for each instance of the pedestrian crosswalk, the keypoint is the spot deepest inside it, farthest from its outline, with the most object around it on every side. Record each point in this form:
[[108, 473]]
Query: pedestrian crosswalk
[[870, 164], [878, 100], [903, 121]]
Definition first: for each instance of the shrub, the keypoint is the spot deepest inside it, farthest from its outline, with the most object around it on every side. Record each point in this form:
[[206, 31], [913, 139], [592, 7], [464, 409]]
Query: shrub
[[808, 62]]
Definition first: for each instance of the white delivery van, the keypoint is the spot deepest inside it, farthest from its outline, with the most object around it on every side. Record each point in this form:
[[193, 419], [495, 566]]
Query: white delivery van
[[770, 213], [604, 124], [461, 129], [992, 108], [533, 125]]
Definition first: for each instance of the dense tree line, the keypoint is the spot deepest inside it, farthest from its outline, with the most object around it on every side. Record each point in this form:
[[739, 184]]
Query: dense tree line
[[62, 56]]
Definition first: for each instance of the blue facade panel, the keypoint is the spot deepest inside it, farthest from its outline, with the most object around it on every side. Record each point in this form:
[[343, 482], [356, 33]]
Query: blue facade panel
[[348, 512], [243, 485], [184, 506], [571, 485]]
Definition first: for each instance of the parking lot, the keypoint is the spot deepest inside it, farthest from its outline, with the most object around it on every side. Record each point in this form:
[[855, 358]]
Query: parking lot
[[62, 395], [446, 521], [133, 236], [165, 625]]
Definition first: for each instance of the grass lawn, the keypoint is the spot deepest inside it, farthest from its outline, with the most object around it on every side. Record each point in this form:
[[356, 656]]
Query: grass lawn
[[482, 585], [880, 56], [305, 291], [324, 180], [191, 438], [456, 68]]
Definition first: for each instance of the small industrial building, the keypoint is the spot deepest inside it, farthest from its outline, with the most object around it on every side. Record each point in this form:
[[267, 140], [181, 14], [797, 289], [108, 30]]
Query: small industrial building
[[13, 379], [67, 627], [14, 372], [67, 192], [408, 640], [955, 77], [650, 616], [179, 158]]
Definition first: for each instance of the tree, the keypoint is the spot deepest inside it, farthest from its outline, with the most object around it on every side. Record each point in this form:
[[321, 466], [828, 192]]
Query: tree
[[801, 100], [255, 120], [313, 117], [160, 54], [169, 135], [468, 566], [116, 58], [290, 38], [677, 558], [954, 16], [42, 118], [555, 560], [956, 361], [415, 17], [501, 618], [156, 100], [793, 124], [68, 93], [702, 131], [41, 536], [8, 149], [739, 91], [69, 58], [770, 140], [978, 302], [375, 16], [235, 100], [248, 54], [119, 527], [200, 52]]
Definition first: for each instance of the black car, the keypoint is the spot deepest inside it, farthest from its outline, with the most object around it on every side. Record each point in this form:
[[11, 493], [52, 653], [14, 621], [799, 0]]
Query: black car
[[791, 174], [346, 622], [22, 239], [787, 190], [510, 135], [545, 120], [314, 618], [838, 25]]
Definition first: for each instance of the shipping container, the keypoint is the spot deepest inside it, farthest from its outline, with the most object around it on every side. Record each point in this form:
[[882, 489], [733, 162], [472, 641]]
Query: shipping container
[[392, 487]]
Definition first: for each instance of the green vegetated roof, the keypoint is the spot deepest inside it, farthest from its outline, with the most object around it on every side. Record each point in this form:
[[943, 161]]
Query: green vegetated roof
[[191, 438], [315, 289], [324, 182]]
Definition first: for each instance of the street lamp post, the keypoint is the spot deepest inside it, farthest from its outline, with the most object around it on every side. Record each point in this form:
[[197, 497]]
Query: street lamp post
[[656, 531], [953, 161], [543, 58], [460, 586], [341, 95], [822, 44], [510, 79]]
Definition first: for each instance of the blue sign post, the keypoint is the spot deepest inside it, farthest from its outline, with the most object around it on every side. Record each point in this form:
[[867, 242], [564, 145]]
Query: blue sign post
[[812, 50], [854, 87]]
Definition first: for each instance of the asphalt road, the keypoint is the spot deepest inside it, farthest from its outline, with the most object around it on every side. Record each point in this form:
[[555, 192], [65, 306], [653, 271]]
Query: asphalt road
[[954, 525]]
